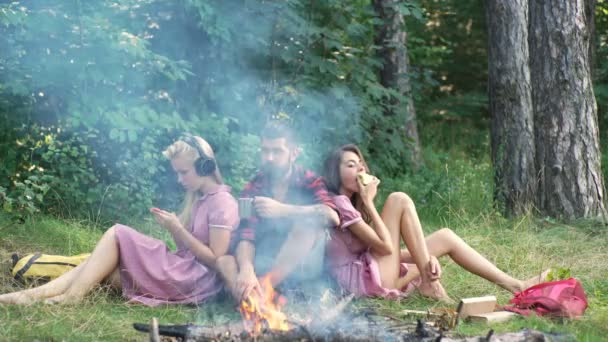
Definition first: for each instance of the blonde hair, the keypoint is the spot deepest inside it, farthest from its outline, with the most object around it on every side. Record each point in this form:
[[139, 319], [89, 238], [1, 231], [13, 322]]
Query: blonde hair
[[183, 149]]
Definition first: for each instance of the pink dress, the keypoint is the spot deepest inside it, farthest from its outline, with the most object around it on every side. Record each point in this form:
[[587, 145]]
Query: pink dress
[[350, 261], [151, 274]]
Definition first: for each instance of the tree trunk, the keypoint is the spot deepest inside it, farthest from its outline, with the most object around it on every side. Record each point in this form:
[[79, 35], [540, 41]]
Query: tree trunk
[[392, 38], [566, 130], [510, 100], [590, 15]]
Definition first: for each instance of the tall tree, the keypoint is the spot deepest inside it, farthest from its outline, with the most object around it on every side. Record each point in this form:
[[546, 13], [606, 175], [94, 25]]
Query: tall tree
[[590, 15], [509, 92], [567, 141], [392, 39]]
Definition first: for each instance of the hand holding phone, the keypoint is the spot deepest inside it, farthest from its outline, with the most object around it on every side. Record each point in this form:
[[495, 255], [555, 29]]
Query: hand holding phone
[[168, 220]]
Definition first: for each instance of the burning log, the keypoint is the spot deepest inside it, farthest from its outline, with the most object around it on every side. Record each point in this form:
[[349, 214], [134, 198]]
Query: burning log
[[202, 333], [191, 332], [355, 329], [422, 332], [263, 320]]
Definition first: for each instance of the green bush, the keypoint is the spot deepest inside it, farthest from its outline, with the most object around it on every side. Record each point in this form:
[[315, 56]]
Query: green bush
[[50, 167], [108, 174]]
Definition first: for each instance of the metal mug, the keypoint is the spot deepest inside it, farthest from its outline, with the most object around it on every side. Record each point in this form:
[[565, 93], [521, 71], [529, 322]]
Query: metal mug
[[245, 210]]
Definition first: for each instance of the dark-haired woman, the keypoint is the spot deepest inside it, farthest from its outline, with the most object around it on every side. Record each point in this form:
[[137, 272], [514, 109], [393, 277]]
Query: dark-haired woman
[[143, 267], [364, 253]]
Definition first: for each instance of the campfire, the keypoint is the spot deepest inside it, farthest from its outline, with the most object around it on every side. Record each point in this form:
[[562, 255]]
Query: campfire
[[263, 311], [360, 329], [263, 320]]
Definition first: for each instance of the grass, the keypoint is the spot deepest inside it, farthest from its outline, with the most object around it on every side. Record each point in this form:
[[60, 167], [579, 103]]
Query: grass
[[457, 195], [103, 316], [523, 250]]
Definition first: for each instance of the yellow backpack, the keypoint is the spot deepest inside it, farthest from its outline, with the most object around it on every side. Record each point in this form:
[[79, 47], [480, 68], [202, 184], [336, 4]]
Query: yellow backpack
[[44, 266]]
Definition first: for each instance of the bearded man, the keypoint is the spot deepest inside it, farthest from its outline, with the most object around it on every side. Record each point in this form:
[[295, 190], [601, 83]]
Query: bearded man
[[284, 237]]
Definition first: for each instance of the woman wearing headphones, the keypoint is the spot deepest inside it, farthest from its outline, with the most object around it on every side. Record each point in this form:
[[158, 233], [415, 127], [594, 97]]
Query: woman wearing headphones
[[143, 267]]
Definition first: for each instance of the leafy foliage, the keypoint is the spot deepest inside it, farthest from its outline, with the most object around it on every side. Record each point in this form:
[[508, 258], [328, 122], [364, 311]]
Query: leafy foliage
[[105, 86], [91, 92]]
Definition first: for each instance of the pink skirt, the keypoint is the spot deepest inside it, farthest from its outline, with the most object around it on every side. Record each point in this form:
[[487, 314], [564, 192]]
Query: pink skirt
[[152, 275], [362, 278]]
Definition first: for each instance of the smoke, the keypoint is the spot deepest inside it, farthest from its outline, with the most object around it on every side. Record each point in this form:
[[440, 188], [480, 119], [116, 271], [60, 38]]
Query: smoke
[[162, 65], [137, 73]]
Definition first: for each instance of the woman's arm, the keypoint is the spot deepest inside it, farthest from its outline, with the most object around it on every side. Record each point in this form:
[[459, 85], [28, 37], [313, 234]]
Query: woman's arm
[[219, 241], [377, 237], [219, 238]]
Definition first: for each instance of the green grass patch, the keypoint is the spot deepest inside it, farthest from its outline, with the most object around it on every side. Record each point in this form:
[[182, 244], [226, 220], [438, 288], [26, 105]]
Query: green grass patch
[[456, 195]]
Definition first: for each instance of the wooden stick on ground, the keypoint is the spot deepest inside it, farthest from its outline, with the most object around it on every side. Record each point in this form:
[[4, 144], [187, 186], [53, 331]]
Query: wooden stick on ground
[[154, 335]]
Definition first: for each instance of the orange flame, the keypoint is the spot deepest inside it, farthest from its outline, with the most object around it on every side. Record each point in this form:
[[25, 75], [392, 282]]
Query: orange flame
[[265, 310]]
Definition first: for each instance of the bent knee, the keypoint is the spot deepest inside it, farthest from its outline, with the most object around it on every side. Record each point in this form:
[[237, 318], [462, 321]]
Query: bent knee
[[112, 230], [447, 233], [402, 199]]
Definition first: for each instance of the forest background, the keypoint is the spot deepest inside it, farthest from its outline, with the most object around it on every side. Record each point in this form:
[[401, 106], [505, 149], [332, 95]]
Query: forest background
[[91, 92]]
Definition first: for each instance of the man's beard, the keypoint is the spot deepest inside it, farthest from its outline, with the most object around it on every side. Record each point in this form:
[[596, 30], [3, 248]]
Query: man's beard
[[275, 172]]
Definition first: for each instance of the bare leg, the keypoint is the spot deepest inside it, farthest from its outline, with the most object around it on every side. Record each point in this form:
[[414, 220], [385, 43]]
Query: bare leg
[[113, 279], [445, 241], [389, 265], [53, 288], [399, 215], [227, 267], [412, 274], [101, 264]]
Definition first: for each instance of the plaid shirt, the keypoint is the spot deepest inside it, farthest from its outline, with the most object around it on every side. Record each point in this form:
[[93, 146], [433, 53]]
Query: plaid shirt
[[305, 188]]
